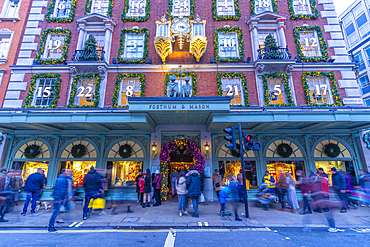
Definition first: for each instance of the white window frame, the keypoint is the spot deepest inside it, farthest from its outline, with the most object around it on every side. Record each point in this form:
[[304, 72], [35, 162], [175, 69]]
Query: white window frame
[[328, 88], [229, 5], [96, 35], [271, 90], [181, 83], [6, 6], [57, 3], [129, 45], [306, 4], [95, 5], [46, 48], [312, 34], [5, 34], [51, 96], [265, 33], [257, 4], [77, 100], [236, 81], [125, 82], [183, 13], [352, 39], [133, 4], [356, 15], [222, 45]]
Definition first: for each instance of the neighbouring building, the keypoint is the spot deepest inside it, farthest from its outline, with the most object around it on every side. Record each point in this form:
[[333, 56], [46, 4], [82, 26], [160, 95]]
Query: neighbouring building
[[149, 84]]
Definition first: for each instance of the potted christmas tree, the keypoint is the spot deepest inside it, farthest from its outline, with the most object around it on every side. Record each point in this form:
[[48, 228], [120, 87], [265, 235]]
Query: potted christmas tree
[[90, 49], [272, 50]]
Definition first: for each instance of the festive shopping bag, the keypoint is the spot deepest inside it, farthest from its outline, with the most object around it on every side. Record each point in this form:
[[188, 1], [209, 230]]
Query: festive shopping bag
[[91, 203], [202, 198], [98, 203]]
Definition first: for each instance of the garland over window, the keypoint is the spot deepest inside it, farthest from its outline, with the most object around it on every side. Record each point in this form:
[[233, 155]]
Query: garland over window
[[237, 30], [295, 16], [97, 78], [288, 92], [65, 47], [117, 85], [169, 10], [321, 42], [221, 75], [88, 7], [253, 6], [136, 18], [217, 17], [121, 51], [50, 12], [31, 91], [334, 87], [191, 74]]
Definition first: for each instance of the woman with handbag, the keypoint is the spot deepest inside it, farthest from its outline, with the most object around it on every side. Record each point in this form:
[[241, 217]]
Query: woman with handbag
[[216, 182], [181, 192], [147, 189]]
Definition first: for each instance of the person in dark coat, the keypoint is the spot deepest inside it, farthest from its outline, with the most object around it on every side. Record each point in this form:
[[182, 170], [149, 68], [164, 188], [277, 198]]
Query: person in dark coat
[[6, 194], [93, 188], [34, 184], [157, 188], [147, 189], [202, 181], [340, 187], [60, 193], [305, 186], [137, 179], [193, 185]]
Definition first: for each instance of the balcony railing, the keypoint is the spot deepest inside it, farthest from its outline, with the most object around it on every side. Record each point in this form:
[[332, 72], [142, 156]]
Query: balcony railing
[[82, 55], [276, 53]]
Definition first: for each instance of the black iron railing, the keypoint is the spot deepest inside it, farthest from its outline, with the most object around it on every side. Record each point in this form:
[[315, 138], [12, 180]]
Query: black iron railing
[[274, 53], [82, 55]]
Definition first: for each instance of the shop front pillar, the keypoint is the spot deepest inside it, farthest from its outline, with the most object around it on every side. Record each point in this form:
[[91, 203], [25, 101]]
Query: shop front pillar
[[310, 164], [53, 167], [8, 150], [357, 162], [101, 164], [261, 166]]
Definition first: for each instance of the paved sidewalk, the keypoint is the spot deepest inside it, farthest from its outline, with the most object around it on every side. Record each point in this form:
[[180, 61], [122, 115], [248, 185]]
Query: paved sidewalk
[[166, 216]]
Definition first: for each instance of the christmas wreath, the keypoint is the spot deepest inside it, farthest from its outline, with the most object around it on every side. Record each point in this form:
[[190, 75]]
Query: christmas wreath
[[284, 150], [125, 151], [78, 151], [32, 151], [332, 150]]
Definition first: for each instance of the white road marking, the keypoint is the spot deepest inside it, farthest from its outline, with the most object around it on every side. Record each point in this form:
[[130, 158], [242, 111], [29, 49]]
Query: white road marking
[[170, 240], [199, 223], [78, 225], [359, 230], [71, 225], [287, 238], [205, 223]]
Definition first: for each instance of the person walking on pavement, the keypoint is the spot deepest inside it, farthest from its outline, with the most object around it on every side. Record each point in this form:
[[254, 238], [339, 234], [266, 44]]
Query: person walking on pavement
[[2, 172], [202, 181], [304, 184], [141, 186], [93, 188], [193, 186], [292, 194], [34, 184], [18, 183], [364, 180], [139, 197], [216, 178], [66, 203], [240, 185], [60, 194], [147, 189], [181, 193], [157, 186], [316, 192], [281, 187], [6, 194], [340, 187], [173, 177]]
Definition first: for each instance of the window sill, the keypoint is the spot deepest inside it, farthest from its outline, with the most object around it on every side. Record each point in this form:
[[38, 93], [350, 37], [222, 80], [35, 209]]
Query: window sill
[[3, 60], [14, 19]]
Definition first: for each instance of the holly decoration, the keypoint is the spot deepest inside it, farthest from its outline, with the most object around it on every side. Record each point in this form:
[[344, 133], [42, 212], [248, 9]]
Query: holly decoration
[[78, 151], [32, 151], [125, 151], [284, 150], [332, 150], [90, 44], [271, 48]]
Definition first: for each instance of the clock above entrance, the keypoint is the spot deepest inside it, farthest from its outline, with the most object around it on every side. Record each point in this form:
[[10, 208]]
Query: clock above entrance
[[180, 34]]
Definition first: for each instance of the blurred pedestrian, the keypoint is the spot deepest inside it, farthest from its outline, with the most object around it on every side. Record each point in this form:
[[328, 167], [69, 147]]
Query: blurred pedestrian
[[34, 184], [292, 194], [193, 186], [322, 173], [93, 189], [139, 199], [305, 186], [60, 194], [173, 177], [18, 183], [157, 186], [216, 178], [281, 187], [66, 203], [340, 187], [316, 192], [181, 193], [141, 187], [2, 172], [6, 194], [351, 202], [152, 194], [240, 186], [202, 183], [147, 189], [269, 180], [364, 179]]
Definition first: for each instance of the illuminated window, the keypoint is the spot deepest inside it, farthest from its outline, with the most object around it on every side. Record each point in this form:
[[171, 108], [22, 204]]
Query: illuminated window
[[100, 39], [302, 7], [134, 46], [100, 6], [263, 6], [233, 87], [85, 92], [62, 8], [225, 7], [54, 46], [130, 87], [320, 92], [44, 92], [276, 90], [228, 45], [309, 41], [136, 8], [181, 8]]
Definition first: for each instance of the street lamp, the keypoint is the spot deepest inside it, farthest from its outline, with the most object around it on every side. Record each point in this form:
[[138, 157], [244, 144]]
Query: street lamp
[[206, 153], [154, 151]]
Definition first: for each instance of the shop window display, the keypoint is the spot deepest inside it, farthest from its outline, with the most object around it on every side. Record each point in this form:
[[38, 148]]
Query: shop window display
[[230, 169], [79, 168], [30, 167], [273, 168], [344, 166], [123, 173]]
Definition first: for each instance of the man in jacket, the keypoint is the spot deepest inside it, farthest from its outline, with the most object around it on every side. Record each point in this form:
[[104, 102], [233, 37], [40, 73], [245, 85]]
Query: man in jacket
[[364, 179], [340, 187], [157, 188], [93, 188], [34, 183], [270, 181], [59, 194], [193, 186], [281, 187], [6, 194]]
